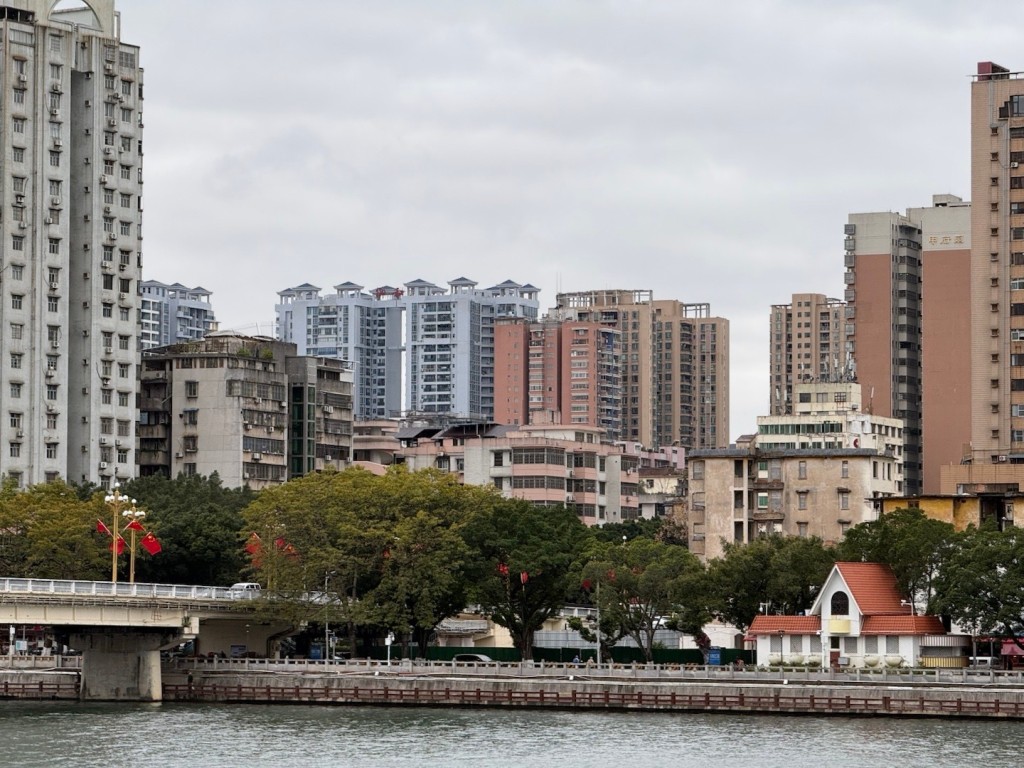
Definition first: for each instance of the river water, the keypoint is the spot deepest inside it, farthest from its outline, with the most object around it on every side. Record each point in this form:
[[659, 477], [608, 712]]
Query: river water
[[108, 735]]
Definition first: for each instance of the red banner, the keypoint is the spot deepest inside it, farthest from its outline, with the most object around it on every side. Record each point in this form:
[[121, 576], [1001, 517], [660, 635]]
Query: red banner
[[150, 544]]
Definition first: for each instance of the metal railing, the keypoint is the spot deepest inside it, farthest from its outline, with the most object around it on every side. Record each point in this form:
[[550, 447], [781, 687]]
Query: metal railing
[[74, 588]]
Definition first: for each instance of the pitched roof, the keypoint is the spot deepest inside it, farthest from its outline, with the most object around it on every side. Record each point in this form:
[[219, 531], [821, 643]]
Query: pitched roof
[[785, 625], [873, 586], [902, 625]]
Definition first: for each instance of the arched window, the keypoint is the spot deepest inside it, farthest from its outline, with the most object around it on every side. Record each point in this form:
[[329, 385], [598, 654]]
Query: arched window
[[840, 604]]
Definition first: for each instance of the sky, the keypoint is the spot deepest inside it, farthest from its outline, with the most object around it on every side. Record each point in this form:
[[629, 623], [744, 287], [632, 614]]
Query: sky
[[710, 152]]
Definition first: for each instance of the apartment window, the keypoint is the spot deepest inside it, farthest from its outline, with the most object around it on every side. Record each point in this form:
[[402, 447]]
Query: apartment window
[[106, 426], [126, 258], [844, 500], [15, 389], [801, 499], [124, 313], [54, 159], [801, 530], [108, 253], [108, 109], [126, 284], [18, 154], [54, 185], [17, 300], [126, 172], [108, 169], [124, 428], [19, 124], [17, 243], [53, 245], [126, 143], [16, 330], [51, 421], [108, 197], [51, 391], [54, 100], [845, 469], [56, 46], [51, 450], [21, 66], [108, 226], [105, 368], [108, 282], [801, 470], [126, 115], [122, 399], [52, 304], [15, 421], [109, 81], [192, 390], [108, 138], [126, 201], [54, 215], [126, 87], [17, 271], [19, 95], [123, 341], [122, 370], [108, 339], [107, 396], [15, 450], [126, 227], [15, 360], [19, 184], [122, 455]]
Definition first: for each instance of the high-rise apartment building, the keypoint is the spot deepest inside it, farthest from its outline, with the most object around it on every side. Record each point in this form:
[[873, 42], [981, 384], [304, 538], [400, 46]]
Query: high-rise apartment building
[[675, 365], [905, 278], [558, 372], [807, 344], [449, 337], [70, 257], [245, 407], [364, 328], [173, 313]]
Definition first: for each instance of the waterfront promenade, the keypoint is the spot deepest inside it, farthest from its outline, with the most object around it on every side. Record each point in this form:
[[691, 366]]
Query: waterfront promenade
[[633, 687]]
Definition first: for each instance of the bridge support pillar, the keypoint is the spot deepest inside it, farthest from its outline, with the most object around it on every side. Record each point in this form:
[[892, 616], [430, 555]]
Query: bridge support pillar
[[122, 665]]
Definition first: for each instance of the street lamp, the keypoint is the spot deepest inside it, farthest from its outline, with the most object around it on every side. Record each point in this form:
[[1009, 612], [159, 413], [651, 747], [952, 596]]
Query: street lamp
[[327, 618], [117, 502], [134, 517]]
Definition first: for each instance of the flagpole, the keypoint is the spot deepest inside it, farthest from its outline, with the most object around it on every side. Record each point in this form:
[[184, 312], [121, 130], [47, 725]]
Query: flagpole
[[115, 500], [134, 517]]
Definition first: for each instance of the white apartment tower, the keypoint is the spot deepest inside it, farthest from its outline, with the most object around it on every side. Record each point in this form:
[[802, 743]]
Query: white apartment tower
[[450, 343], [70, 260], [364, 328], [174, 313]]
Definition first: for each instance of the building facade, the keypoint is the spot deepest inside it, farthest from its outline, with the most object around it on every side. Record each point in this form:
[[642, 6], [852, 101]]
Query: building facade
[[807, 344], [361, 327], [70, 258], [675, 365], [558, 372], [245, 407], [173, 313]]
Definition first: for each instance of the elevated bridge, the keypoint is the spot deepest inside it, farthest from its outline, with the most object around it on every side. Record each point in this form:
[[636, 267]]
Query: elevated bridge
[[120, 628]]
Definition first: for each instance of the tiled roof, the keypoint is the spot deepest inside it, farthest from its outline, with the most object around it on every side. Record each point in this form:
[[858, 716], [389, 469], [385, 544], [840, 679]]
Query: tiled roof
[[873, 586], [786, 625], [902, 625]]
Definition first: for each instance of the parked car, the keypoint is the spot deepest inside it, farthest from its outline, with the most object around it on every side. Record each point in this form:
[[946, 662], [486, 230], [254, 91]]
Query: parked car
[[474, 657]]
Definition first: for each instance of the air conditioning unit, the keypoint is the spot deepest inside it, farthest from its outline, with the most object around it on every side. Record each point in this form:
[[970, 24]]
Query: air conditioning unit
[[122, 297], [48, 220], [103, 465], [328, 458], [105, 379], [245, 475], [247, 426], [103, 441], [58, 142], [103, 180], [107, 267], [328, 409], [257, 457], [55, 344], [53, 284], [54, 112], [1002, 458], [106, 209], [56, 202], [112, 236], [122, 267], [20, 433], [270, 430], [179, 455], [108, 67], [119, 443], [108, 350], [19, 199], [284, 403], [55, 87], [109, 151], [569, 497], [120, 97], [112, 122], [22, 78], [22, 225], [1014, 165], [50, 374]]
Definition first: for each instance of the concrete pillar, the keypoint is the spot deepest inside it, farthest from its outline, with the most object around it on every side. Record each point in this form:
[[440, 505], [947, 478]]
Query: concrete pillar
[[122, 665]]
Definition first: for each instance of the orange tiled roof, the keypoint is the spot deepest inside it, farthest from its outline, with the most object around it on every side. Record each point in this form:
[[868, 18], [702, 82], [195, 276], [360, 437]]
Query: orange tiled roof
[[787, 625], [873, 586], [902, 625]]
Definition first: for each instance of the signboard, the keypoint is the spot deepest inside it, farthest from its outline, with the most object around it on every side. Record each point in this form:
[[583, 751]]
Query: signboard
[[714, 657]]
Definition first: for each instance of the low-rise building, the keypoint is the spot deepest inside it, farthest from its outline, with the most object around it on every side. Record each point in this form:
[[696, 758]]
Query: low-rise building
[[245, 407]]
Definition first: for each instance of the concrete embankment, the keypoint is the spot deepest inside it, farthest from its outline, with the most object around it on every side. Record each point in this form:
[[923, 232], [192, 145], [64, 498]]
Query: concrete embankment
[[22, 684], [581, 692]]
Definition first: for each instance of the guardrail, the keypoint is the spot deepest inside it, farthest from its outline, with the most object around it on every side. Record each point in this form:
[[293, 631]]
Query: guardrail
[[636, 671], [22, 661], [71, 588]]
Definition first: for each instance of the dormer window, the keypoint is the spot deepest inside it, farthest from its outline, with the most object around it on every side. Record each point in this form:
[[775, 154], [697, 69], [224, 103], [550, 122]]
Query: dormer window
[[840, 605]]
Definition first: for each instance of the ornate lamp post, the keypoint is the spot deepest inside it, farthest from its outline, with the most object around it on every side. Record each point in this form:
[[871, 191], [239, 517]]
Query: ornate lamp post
[[134, 517], [117, 502]]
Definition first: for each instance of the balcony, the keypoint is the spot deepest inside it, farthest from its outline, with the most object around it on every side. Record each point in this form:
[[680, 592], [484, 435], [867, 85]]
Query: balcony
[[838, 626]]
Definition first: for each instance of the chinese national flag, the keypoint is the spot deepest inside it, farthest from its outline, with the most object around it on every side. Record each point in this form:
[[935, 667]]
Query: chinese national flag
[[150, 544], [252, 545], [120, 545], [134, 525], [524, 577], [101, 528]]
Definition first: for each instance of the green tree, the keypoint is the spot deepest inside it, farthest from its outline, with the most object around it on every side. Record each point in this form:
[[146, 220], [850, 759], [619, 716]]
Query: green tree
[[641, 587], [981, 583], [198, 523], [910, 543], [524, 569]]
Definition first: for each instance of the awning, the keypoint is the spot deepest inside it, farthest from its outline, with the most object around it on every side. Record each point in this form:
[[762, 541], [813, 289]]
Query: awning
[[1010, 648]]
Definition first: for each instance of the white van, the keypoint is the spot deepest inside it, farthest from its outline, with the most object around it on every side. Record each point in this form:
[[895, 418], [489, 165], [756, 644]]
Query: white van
[[244, 590]]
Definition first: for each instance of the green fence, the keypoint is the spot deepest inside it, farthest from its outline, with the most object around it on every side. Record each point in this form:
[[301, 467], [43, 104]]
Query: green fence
[[620, 655]]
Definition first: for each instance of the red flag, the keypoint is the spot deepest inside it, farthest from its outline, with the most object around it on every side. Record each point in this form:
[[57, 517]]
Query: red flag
[[120, 545], [134, 525], [150, 544], [524, 577], [503, 569], [101, 528], [252, 544], [586, 584]]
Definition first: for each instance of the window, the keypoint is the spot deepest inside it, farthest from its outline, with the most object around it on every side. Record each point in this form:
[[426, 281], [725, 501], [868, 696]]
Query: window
[[51, 450], [51, 391], [15, 389], [108, 138], [192, 390], [123, 341], [51, 421], [122, 455], [15, 450], [108, 282], [107, 396], [17, 271], [801, 471], [124, 313], [54, 158], [53, 245], [19, 183], [126, 227], [15, 421], [108, 226], [52, 304], [18, 154], [17, 243], [108, 109], [19, 124], [124, 428], [801, 530], [55, 187], [108, 196], [126, 143], [56, 46], [19, 95], [126, 87], [845, 469], [106, 426], [108, 253], [126, 115], [844, 500], [840, 604], [16, 300], [15, 360], [123, 369], [108, 168], [109, 82], [54, 100], [122, 399], [16, 330], [126, 284], [108, 309], [126, 172], [801, 499], [126, 200]]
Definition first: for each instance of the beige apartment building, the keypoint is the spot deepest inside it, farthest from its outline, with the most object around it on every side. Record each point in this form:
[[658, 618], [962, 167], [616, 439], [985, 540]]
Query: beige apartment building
[[558, 372], [675, 365], [245, 407], [807, 344]]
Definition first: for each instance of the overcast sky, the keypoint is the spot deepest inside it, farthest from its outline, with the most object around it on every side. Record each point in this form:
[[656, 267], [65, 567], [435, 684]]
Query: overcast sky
[[708, 151]]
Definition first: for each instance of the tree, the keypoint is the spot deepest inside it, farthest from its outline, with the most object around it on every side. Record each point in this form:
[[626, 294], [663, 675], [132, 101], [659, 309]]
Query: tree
[[910, 543], [524, 569], [640, 587], [981, 583], [776, 573], [198, 522]]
